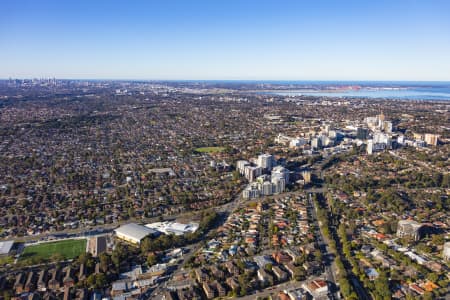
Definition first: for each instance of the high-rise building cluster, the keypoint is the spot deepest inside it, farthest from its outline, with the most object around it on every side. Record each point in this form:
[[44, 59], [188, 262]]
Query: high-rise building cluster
[[266, 178], [379, 123], [379, 135], [326, 137], [381, 138]]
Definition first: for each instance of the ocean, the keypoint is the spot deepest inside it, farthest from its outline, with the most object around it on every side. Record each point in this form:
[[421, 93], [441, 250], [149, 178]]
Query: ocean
[[385, 90]]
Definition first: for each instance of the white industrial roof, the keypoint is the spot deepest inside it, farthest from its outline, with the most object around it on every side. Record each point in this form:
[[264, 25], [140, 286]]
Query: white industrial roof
[[179, 226], [5, 247], [134, 231], [173, 227]]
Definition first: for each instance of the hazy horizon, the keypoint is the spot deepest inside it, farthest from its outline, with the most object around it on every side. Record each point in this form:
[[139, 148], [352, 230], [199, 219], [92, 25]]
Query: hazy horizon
[[274, 81]]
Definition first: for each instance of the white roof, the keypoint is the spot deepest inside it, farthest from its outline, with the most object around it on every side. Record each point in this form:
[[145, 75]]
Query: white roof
[[173, 227], [179, 226], [410, 222], [5, 247], [134, 231], [279, 169]]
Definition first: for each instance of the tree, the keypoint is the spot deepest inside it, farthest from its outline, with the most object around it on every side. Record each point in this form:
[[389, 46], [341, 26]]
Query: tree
[[437, 239], [82, 258], [130, 212], [100, 280], [299, 274], [146, 245], [152, 259], [105, 261], [57, 257], [232, 294], [7, 295], [236, 175], [243, 285], [382, 287], [90, 263], [90, 281], [97, 280], [300, 260], [344, 286], [428, 296], [433, 277], [117, 255], [318, 255]]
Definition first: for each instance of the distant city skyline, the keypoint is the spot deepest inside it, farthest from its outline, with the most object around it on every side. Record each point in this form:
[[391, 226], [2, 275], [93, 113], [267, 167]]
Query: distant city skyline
[[402, 40]]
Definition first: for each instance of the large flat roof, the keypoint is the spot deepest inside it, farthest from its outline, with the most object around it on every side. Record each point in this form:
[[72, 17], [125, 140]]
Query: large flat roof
[[5, 247], [173, 227], [134, 231]]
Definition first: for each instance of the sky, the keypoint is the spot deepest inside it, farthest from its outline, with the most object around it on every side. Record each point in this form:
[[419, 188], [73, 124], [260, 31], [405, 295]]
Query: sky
[[226, 39]]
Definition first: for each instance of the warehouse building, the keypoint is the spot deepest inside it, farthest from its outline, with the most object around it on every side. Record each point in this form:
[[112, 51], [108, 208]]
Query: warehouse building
[[5, 247], [134, 233], [173, 227]]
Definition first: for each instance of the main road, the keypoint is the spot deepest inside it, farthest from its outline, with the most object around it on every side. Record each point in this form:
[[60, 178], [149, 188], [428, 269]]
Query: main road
[[106, 228], [330, 265], [224, 210]]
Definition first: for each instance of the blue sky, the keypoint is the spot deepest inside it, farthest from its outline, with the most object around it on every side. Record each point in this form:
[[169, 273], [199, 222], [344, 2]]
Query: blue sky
[[214, 39]]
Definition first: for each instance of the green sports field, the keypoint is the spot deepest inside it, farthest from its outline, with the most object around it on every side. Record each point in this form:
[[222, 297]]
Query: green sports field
[[53, 251], [210, 149]]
